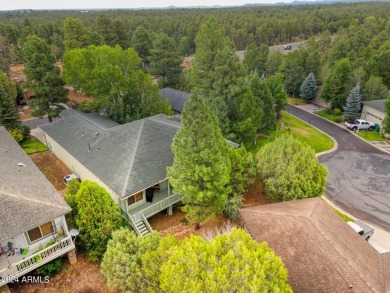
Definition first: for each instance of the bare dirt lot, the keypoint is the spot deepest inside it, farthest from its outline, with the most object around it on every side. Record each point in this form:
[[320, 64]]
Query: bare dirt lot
[[53, 169], [84, 277]]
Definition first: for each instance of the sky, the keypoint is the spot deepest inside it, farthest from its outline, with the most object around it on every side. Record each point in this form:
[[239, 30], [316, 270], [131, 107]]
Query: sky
[[83, 4]]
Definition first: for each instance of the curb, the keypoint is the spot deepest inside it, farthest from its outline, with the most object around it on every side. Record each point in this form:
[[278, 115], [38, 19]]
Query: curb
[[335, 146], [342, 127]]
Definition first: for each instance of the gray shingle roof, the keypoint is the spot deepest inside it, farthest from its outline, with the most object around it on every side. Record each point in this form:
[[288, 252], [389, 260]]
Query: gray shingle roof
[[127, 158], [27, 199], [321, 252], [376, 104], [176, 98]]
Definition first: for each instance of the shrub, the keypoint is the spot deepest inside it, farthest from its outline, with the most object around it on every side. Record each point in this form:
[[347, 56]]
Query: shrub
[[17, 134], [337, 119], [50, 269], [328, 110], [337, 112]]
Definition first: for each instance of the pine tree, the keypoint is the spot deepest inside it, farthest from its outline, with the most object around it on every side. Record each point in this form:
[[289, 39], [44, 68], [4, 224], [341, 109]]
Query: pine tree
[[308, 88], [96, 216], [76, 35], [9, 116], [290, 170], [201, 168], [142, 43], [165, 61], [275, 85], [43, 78], [353, 104]]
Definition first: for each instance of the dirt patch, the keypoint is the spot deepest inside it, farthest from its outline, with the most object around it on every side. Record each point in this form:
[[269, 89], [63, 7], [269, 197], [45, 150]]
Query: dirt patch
[[84, 277], [177, 225], [75, 96], [53, 169]]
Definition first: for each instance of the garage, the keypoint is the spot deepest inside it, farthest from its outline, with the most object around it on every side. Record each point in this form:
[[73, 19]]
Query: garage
[[374, 111]]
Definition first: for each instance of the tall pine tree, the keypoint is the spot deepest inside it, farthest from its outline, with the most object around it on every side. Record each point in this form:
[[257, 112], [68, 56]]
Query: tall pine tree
[[201, 167], [309, 88], [353, 104], [43, 78], [9, 117]]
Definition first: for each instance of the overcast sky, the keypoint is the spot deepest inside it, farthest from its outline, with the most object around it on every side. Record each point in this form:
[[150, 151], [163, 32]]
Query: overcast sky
[[81, 4]]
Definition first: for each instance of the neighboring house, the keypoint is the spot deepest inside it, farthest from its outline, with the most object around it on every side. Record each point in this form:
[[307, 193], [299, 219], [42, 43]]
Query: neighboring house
[[176, 98], [374, 111], [320, 251], [33, 230], [128, 160]]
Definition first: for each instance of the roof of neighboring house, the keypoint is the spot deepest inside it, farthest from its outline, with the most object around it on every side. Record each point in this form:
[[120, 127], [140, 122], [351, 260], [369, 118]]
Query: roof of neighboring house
[[176, 98], [128, 158], [376, 104], [27, 199], [320, 251]]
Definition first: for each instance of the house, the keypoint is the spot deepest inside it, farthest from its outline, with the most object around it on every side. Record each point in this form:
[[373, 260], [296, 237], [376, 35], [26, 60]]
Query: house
[[128, 160], [374, 111], [320, 251], [176, 98], [33, 230]]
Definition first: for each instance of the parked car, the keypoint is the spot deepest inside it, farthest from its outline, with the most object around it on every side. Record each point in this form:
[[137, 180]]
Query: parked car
[[362, 229], [287, 47], [360, 124], [70, 177]]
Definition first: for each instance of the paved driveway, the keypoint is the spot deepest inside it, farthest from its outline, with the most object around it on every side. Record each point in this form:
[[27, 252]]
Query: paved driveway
[[34, 123], [358, 173]]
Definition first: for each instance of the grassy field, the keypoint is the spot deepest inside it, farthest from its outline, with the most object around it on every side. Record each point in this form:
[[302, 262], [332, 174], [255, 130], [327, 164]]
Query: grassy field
[[371, 135], [295, 101], [33, 145], [331, 117], [300, 130]]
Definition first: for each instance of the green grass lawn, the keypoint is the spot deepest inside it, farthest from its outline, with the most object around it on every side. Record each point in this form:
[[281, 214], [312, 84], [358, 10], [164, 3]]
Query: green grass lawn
[[371, 135], [331, 117], [295, 101], [343, 216], [300, 130], [33, 145]]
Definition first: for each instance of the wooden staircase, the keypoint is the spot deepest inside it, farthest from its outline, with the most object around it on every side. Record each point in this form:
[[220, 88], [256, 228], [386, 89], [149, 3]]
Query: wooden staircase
[[142, 228]]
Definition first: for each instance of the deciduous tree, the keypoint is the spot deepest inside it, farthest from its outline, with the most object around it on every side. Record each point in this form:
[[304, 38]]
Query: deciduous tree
[[290, 170]]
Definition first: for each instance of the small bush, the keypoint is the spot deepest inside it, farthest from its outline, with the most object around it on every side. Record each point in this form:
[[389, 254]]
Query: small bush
[[328, 110], [337, 119], [17, 134], [337, 112], [50, 269]]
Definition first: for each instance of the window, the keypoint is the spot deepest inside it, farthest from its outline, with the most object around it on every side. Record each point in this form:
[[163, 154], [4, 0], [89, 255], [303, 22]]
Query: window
[[135, 198], [40, 232]]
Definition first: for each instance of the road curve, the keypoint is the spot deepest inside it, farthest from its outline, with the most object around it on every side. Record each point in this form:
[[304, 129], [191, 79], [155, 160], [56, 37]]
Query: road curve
[[358, 173]]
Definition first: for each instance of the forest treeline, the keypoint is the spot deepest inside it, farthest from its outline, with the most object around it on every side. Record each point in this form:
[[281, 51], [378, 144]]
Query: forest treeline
[[243, 25]]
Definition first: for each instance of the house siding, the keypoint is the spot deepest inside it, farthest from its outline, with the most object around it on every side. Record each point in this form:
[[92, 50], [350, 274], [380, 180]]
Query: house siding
[[76, 167], [372, 115]]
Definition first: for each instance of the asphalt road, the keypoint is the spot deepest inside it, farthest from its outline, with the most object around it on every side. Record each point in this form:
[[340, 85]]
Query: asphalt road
[[34, 123], [358, 173]]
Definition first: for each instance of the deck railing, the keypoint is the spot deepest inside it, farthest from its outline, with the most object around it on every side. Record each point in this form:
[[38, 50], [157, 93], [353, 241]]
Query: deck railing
[[36, 260], [158, 207]]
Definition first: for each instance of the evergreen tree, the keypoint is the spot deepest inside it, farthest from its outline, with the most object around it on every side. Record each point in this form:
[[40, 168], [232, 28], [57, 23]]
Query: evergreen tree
[[275, 85], [142, 42], [96, 217], [264, 99], [334, 89], [243, 171], [201, 168], [308, 88], [386, 121], [43, 78], [9, 116], [165, 264], [76, 35], [165, 61], [353, 104], [290, 170]]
